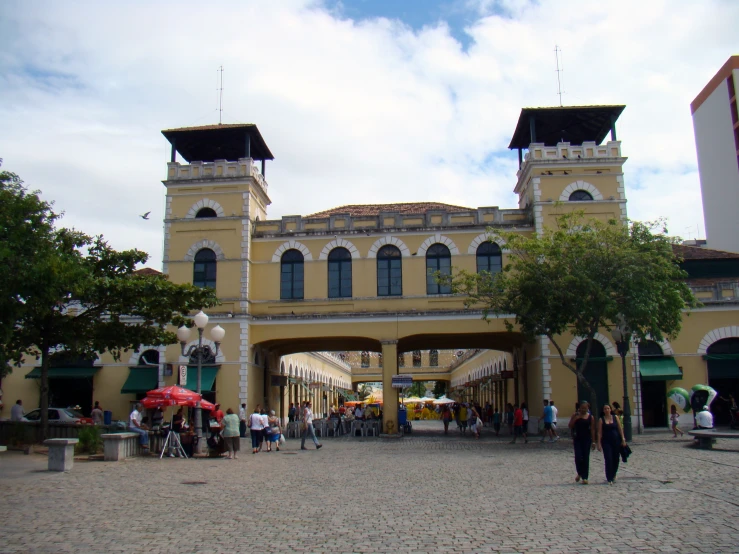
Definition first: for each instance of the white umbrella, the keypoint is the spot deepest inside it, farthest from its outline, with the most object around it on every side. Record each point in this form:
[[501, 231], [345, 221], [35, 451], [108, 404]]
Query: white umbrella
[[443, 400]]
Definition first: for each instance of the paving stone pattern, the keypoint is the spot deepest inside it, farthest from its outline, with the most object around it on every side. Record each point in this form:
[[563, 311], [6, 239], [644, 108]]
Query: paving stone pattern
[[424, 493]]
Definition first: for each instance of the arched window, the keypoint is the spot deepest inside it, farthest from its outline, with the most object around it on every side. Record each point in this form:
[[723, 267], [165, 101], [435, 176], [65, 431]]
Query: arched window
[[204, 269], [149, 357], [596, 373], [580, 196], [206, 212], [339, 273], [489, 258], [722, 359], [389, 272], [434, 358], [416, 358], [365, 357], [650, 348], [209, 356], [438, 258], [291, 275]]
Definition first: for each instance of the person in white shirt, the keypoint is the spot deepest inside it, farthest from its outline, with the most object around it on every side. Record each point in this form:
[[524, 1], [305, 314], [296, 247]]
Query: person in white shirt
[[242, 421], [16, 412], [554, 420], [308, 422], [704, 419], [255, 426], [265, 429], [135, 425], [358, 412]]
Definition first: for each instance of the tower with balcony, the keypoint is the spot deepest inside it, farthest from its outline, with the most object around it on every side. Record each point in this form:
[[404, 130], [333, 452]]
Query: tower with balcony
[[567, 165], [214, 195]]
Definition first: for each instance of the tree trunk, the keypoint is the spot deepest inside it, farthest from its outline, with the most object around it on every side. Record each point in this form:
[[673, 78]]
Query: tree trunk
[[45, 392]]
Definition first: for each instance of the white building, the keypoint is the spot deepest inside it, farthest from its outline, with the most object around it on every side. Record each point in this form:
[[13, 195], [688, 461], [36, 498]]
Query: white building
[[716, 125]]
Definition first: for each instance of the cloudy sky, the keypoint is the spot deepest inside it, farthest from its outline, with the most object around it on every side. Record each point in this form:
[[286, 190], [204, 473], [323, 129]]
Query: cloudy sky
[[361, 101]]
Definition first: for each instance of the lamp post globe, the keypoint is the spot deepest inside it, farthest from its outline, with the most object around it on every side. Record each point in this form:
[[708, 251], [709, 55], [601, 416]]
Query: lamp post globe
[[200, 319], [183, 333], [217, 333]]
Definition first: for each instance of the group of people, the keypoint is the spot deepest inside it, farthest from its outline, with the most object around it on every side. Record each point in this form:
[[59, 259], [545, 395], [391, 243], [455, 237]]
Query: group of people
[[266, 430], [606, 434]]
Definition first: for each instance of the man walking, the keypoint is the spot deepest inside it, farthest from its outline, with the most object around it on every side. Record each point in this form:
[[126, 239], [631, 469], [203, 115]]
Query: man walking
[[547, 417], [308, 427], [242, 421], [554, 420], [518, 424]]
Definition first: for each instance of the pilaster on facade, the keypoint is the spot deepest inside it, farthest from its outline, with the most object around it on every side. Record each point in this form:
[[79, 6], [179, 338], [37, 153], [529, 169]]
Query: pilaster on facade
[[243, 362], [546, 368], [245, 248], [167, 234], [538, 208]]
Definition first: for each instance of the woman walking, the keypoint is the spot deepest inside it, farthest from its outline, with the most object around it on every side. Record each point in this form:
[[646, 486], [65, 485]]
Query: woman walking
[[610, 439], [255, 428], [525, 410], [274, 430], [446, 417], [231, 434], [583, 429], [474, 417]]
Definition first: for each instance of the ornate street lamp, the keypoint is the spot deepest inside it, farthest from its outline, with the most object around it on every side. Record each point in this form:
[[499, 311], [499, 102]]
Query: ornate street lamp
[[622, 335], [183, 333]]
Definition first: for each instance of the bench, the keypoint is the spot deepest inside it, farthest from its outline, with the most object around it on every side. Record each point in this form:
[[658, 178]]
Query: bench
[[119, 446], [706, 437], [61, 453]]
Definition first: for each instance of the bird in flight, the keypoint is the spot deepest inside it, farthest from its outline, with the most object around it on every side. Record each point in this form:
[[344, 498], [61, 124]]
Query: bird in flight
[[145, 216]]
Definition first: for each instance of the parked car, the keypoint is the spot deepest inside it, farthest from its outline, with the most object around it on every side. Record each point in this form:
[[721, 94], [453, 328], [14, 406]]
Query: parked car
[[59, 415]]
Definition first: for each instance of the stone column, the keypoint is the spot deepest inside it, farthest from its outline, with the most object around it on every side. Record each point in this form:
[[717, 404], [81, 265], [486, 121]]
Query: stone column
[[390, 395]]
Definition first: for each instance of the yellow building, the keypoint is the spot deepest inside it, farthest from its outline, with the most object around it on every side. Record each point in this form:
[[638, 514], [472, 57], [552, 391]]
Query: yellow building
[[355, 279]]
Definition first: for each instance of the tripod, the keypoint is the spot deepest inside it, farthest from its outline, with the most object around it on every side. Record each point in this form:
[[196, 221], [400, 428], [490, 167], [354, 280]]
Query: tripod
[[173, 441]]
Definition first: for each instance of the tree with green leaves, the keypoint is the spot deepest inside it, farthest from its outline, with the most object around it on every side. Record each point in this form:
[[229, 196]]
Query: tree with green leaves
[[439, 389], [73, 295], [418, 388], [583, 276]]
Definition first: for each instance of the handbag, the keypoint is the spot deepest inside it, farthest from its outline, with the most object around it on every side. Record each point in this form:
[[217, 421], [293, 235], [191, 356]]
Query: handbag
[[282, 439], [478, 422]]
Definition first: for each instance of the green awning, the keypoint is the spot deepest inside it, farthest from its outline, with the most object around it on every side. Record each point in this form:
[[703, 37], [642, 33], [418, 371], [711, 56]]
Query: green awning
[[659, 369], [306, 387], [141, 380], [64, 372], [207, 377]]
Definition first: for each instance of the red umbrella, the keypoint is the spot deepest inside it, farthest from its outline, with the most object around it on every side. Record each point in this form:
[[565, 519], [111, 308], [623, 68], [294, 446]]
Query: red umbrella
[[150, 403], [174, 396]]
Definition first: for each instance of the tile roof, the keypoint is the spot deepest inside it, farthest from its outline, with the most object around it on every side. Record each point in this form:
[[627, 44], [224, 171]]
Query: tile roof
[[698, 253], [147, 271], [404, 208]]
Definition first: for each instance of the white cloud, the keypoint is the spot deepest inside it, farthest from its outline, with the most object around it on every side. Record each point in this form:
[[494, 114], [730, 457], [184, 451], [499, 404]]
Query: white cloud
[[355, 112]]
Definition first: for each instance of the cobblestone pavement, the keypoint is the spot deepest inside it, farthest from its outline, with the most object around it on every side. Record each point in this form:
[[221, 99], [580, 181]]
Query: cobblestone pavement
[[424, 493]]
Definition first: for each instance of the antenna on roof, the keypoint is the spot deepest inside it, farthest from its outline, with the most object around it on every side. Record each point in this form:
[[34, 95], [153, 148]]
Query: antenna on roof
[[557, 51], [220, 96]]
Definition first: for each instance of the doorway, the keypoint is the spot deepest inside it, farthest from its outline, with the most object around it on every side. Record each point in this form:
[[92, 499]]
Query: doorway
[[654, 403]]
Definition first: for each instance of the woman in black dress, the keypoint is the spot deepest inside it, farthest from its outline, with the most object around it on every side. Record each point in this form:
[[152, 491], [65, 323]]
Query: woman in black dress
[[610, 440], [583, 428]]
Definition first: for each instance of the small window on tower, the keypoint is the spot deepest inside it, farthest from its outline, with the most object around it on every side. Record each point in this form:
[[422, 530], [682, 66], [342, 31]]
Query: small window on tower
[[206, 212]]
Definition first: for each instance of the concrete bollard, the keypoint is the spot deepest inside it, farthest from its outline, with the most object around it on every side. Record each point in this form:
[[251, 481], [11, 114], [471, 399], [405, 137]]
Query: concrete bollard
[[61, 453]]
